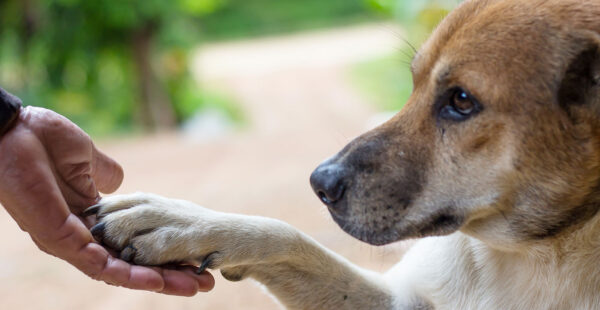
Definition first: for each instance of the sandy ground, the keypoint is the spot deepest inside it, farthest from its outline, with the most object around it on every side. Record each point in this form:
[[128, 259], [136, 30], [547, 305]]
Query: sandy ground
[[300, 110]]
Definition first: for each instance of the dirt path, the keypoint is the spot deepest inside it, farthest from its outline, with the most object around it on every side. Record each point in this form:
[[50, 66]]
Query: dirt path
[[300, 110]]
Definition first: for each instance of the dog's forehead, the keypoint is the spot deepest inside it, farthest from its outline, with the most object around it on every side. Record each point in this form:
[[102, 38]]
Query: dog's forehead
[[513, 43], [431, 49]]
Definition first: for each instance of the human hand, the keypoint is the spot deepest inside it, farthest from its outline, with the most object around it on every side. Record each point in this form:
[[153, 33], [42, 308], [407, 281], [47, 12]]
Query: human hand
[[49, 172]]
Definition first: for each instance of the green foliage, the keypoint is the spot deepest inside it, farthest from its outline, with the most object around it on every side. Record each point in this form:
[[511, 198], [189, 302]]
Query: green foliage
[[385, 6], [242, 18], [386, 82], [77, 56], [418, 17]]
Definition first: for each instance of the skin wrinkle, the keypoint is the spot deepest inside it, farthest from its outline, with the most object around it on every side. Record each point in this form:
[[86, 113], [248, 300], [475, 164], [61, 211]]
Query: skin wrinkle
[[73, 169], [37, 186], [70, 233], [103, 269]]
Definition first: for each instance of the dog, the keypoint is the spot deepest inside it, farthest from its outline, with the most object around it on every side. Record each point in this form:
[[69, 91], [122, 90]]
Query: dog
[[494, 162]]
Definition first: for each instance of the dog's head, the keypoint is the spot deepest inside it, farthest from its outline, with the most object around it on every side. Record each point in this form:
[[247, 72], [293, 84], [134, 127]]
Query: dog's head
[[500, 138]]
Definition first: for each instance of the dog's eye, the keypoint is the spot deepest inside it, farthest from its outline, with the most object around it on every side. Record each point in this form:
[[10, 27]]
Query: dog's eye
[[459, 106], [462, 102]]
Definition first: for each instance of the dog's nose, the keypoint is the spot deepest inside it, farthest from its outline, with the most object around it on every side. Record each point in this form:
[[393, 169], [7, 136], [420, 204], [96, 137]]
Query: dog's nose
[[328, 182]]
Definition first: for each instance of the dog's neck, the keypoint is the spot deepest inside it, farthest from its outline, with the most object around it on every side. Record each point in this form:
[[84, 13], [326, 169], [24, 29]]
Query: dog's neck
[[553, 269], [583, 230], [581, 237]]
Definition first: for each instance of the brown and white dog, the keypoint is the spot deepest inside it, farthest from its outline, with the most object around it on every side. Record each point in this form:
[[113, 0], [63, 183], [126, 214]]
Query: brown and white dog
[[495, 158]]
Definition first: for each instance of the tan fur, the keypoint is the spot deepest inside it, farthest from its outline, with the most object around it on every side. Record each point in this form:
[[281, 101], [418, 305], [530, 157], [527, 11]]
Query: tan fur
[[507, 197]]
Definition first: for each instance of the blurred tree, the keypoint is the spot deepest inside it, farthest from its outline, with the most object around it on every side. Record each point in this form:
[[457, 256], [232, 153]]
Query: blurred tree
[[102, 63], [84, 46], [388, 81], [243, 18], [419, 17]]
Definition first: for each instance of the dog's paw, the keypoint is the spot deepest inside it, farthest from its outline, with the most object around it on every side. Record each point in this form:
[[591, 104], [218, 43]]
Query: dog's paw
[[148, 229]]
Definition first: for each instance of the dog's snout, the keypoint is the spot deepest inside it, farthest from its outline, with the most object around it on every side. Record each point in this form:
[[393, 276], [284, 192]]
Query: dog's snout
[[328, 182]]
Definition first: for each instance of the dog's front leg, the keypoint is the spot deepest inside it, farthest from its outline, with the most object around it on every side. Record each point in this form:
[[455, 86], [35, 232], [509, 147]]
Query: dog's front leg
[[153, 230]]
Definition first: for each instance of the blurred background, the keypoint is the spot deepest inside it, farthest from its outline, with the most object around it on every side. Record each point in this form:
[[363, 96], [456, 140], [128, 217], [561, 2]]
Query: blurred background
[[227, 103]]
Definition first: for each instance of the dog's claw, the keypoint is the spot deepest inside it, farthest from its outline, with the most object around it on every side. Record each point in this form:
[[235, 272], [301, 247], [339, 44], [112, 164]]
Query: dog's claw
[[92, 210], [205, 263], [98, 231], [128, 253]]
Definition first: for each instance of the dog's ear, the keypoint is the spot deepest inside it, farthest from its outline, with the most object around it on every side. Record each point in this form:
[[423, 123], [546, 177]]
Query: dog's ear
[[580, 84]]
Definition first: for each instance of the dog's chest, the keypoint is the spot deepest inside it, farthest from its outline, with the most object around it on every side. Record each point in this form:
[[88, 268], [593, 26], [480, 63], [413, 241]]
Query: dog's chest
[[457, 272], [510, 281], [524, 288]]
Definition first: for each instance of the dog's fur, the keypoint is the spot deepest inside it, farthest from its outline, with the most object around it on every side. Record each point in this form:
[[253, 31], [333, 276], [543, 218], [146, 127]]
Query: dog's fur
[[507, 192]]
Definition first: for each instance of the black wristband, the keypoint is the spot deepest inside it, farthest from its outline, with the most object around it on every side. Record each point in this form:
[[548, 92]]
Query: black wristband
[[10, 106]]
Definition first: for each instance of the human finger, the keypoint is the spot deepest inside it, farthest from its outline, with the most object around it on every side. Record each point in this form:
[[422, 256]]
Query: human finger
[[106, 172], [186, 282]]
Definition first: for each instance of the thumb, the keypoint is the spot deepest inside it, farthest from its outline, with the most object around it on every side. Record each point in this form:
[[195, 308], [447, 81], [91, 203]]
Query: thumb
[[106, 173]]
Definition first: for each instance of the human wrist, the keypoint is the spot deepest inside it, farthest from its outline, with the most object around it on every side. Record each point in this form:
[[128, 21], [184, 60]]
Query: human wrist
[[10, 106]]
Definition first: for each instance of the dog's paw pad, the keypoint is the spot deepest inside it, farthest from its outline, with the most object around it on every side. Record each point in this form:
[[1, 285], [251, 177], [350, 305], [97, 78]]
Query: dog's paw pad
[[235, 274], [128, 253]]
